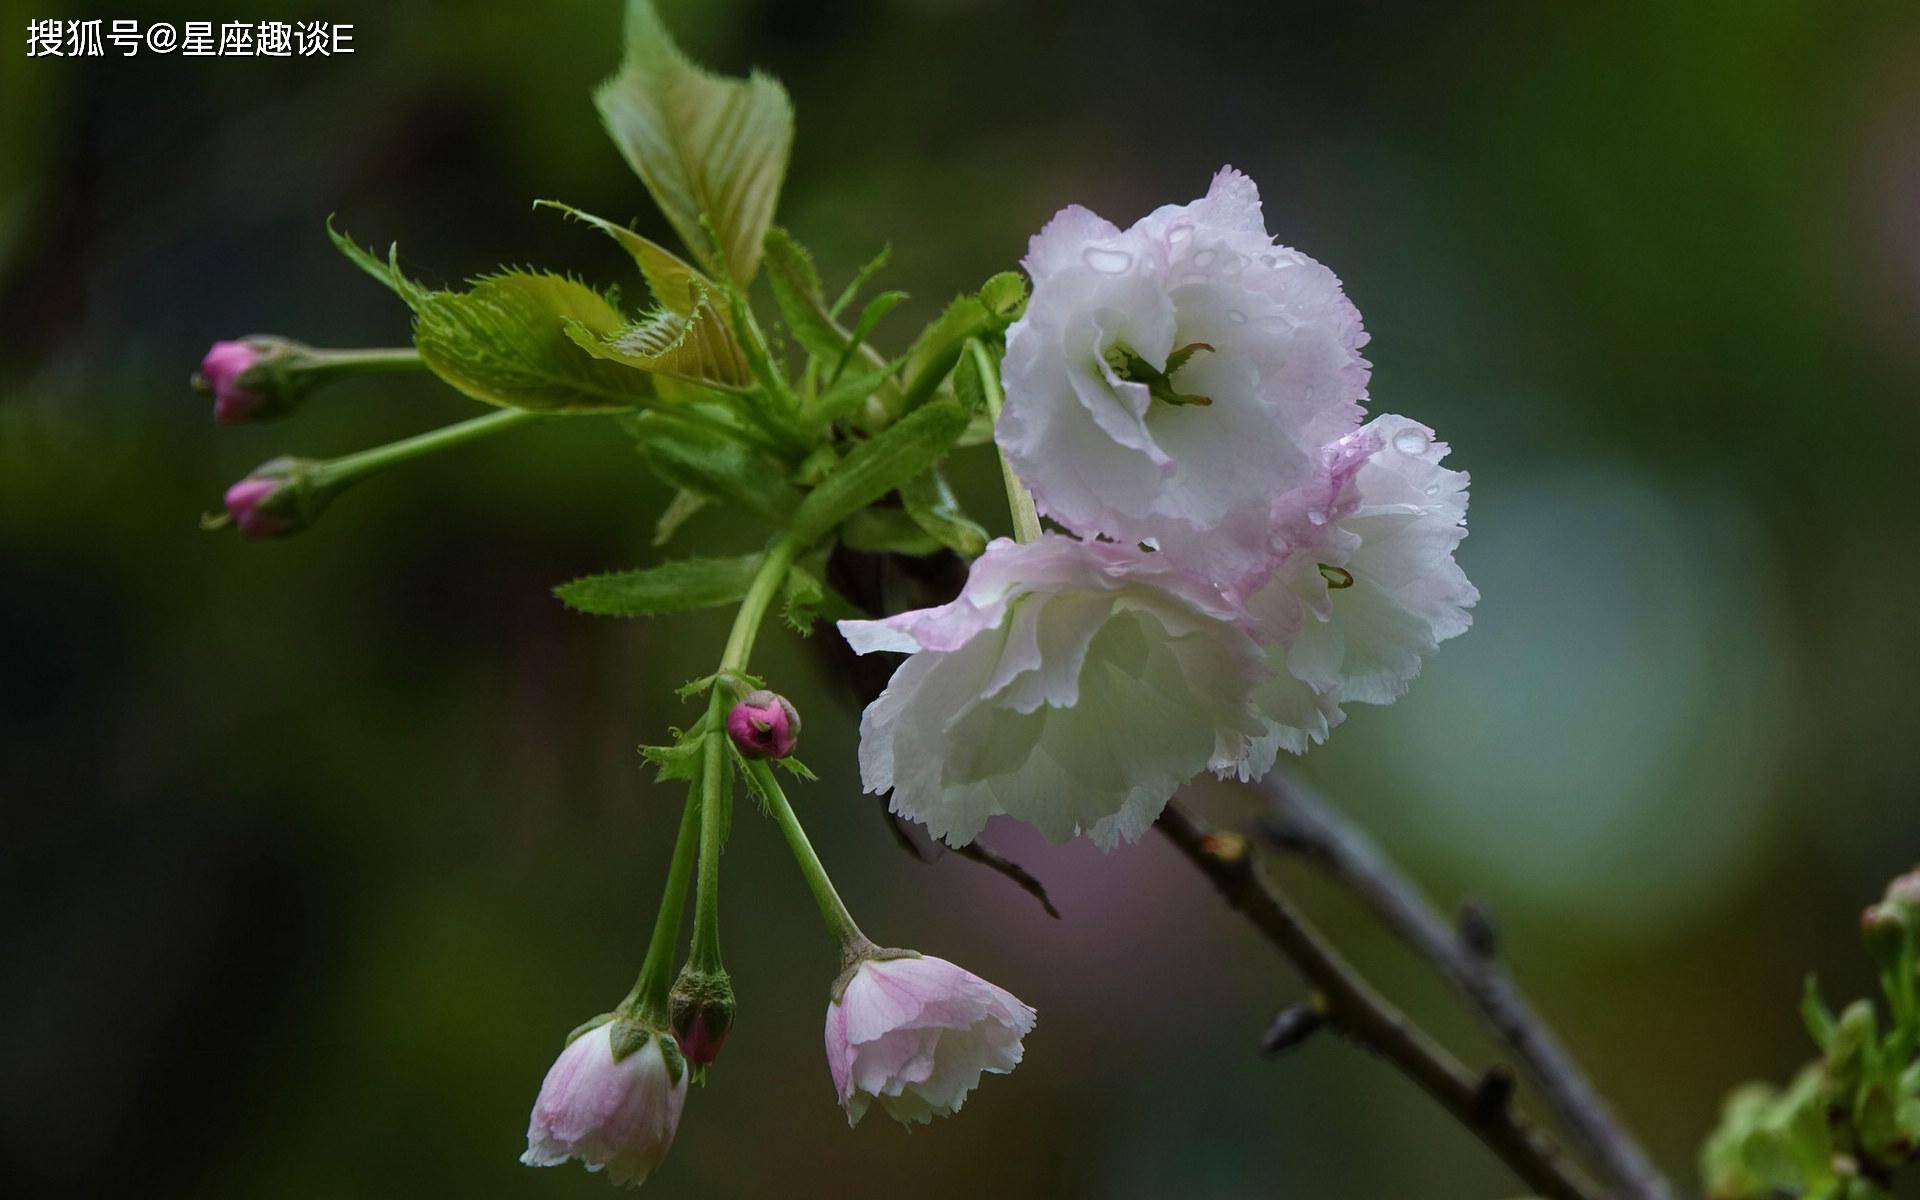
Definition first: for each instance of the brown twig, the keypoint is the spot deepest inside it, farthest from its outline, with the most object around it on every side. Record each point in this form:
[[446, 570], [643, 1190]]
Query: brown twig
[[1361, 1013], [1297, 819]]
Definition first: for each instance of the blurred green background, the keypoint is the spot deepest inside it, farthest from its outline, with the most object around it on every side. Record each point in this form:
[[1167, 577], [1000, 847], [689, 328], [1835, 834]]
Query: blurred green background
[[312, 851]]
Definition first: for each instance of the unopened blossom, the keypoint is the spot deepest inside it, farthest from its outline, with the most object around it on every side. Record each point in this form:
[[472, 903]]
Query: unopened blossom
[[764, 724], [916, 1033], [1175, 378], [1073, 685], [701, 1007], [247, 505], [611, 1111], [223, 373], [1368, 586]]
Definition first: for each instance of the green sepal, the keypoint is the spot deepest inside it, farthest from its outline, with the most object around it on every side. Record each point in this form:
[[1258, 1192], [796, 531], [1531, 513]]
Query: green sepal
[[677, 586], [854, 956], [794, 767], [681, 759], [737, 683], [587, 1026]]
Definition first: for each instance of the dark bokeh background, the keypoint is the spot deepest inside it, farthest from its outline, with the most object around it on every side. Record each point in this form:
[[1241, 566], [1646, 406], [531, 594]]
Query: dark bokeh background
[[311, 851]]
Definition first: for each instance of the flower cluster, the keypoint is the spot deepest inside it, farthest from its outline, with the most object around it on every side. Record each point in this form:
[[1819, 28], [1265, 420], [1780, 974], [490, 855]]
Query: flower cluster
[[1242, 555], [1238, 555]]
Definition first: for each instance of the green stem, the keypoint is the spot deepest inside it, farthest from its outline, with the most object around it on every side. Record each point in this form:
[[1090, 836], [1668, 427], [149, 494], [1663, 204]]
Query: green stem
[[832, 909], [365, 362], [648, 998], [715, 795], [349, 468], [1026, 519], [716, 781], [753, 606]]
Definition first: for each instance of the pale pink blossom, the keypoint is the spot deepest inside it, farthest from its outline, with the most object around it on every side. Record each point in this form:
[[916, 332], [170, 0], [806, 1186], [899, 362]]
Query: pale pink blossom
[[1368, 586], [1073, 685], [1174, 379], [916, 1033], [613, 1113]]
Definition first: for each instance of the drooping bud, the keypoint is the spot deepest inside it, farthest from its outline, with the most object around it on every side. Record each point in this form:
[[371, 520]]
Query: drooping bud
[[702, 1006], [256, 378], [764, 725], [277, 498]]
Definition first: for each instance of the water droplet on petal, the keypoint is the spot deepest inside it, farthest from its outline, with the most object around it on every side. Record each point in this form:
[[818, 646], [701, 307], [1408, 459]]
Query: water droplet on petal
[[1236, 317], [1269, 260], [1410, 441], [1232, 264], [1180, 233], [1204, 259], [1316, 516], [1107, 262]]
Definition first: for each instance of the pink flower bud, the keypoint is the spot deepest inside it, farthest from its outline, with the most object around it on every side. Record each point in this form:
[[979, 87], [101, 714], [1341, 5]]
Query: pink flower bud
[[244, 501], [916, 1033], [611, 1110], [764, 725], [221, 372], [702, 1006]]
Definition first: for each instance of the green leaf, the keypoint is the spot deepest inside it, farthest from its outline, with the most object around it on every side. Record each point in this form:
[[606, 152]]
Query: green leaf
[[683, 505], [675, 283], [861, 278], [696, 348], [677, 586], [846, 396], [876, 467], [723, 469], [870, 316], [796, 288], [931, 504], [702, 143], [506, 339], [982, 315]]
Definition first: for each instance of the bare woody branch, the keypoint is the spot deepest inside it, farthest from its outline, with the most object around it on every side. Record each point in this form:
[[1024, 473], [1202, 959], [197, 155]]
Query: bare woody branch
[[1297, 819]]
